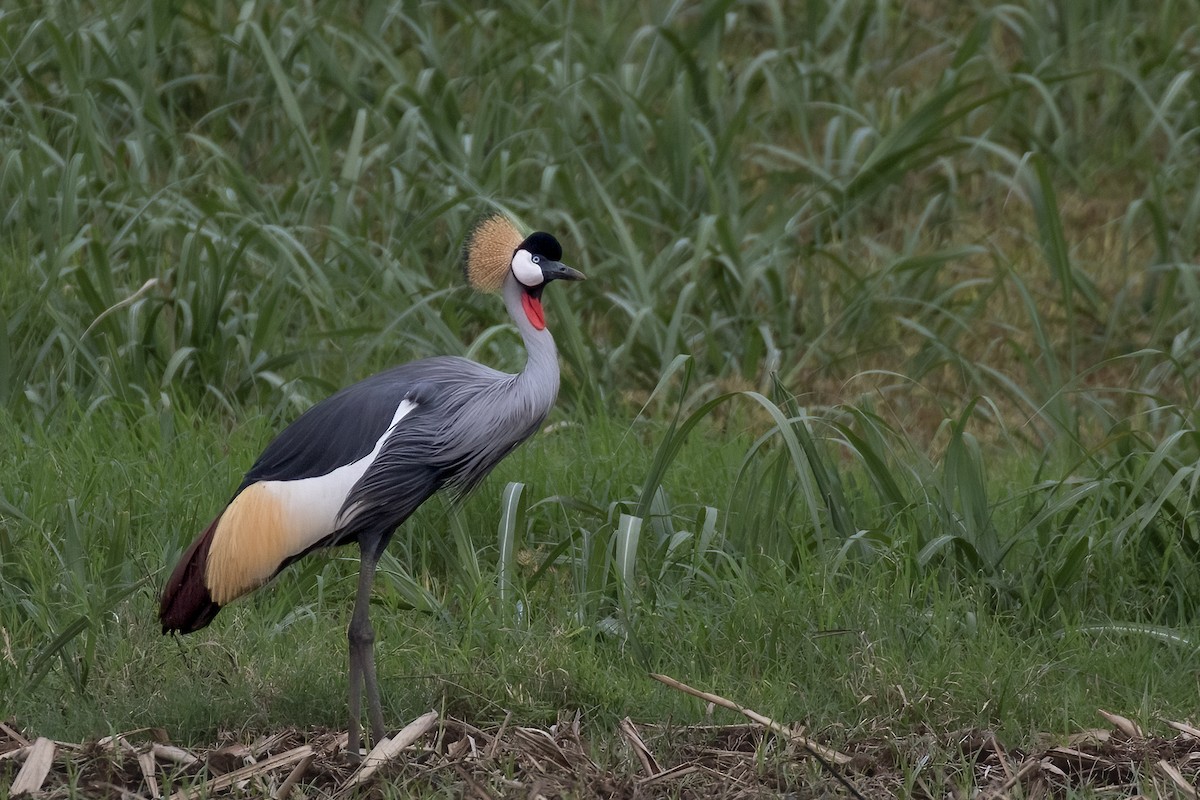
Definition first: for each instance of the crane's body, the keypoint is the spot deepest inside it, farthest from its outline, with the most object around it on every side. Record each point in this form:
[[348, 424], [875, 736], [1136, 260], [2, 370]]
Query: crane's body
[[355, 466]]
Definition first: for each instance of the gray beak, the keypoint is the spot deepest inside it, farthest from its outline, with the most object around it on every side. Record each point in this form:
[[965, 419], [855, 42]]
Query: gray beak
[[556, 270]]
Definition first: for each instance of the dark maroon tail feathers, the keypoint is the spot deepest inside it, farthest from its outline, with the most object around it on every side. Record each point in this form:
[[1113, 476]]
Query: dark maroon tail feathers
[[186, 605]]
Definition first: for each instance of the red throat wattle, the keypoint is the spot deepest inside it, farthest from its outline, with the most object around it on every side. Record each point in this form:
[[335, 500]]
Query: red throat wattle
[[533, 310]]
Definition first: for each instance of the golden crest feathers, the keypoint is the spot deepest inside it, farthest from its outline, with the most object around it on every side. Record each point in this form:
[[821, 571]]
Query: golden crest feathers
[[488, 250]]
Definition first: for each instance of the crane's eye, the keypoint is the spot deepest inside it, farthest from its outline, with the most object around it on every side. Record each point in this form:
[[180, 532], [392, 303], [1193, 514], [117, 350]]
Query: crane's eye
[[527, 269]]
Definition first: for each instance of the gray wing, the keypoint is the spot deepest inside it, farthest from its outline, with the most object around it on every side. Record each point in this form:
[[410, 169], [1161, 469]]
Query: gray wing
[[468, 417], [339, 430]]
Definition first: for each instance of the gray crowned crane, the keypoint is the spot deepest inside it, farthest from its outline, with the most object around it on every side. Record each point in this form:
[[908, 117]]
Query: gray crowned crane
[[355, 466]]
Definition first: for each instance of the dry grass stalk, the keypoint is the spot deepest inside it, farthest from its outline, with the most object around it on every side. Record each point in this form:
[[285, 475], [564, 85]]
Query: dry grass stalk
[[474, 788], [388, 749], [146, 762], [1185, 729], [117, 740], [1028, 767], [1176, 777], [16, 754], [629, 733], [1092, 736], [35, 769], [210, 787], [265, 744], [833, 756], [293, 777], [1123, 724], [541, 745], [176, 755], [13, 735], [492, 748], [738, 760], [675, 773]]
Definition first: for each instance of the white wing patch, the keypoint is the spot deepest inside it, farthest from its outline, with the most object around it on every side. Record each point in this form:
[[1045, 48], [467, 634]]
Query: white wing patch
[[526, 269], [270, 521], [311, 505]]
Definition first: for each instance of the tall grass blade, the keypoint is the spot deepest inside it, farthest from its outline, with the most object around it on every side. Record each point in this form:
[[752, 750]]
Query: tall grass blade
[[512, 518], [628, 533]]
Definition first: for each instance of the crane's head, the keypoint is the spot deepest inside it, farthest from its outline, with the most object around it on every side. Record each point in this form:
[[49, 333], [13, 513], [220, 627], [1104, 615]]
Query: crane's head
[[495, 249]]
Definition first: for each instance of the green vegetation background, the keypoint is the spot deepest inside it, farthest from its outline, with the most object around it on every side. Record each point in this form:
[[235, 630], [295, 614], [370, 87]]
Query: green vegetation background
[[878, 410]]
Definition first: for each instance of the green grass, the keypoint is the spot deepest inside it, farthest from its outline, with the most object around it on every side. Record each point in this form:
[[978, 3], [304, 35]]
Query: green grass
[[880, 397]]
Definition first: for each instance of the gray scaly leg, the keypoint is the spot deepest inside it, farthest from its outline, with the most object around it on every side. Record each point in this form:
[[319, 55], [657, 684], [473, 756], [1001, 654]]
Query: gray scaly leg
[[362, 656]]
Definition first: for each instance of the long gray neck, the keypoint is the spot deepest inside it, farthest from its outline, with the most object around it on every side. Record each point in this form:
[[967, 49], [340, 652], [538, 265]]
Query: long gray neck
[[537, 384]]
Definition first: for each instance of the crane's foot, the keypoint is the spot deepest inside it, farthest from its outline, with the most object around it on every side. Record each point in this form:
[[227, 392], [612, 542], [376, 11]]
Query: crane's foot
[[357, 747], [362, 676]]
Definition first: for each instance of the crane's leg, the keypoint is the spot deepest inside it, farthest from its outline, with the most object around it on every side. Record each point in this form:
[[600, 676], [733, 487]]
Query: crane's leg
[[362, 655]]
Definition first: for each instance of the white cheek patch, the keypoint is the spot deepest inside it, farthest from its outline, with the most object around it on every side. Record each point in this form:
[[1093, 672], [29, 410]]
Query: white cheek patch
[[525, 269]]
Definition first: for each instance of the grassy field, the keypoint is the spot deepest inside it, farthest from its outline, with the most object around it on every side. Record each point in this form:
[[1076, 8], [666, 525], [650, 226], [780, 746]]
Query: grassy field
[[878, 409]]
